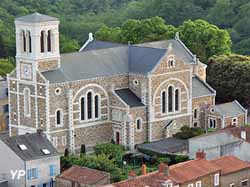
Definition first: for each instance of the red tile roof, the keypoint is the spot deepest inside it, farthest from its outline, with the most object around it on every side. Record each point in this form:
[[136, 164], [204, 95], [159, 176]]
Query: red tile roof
[[186, 172], [230, 164], [83, 175]]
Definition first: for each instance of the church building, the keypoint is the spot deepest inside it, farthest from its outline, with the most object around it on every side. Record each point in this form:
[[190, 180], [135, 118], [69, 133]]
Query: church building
[[108, 91]]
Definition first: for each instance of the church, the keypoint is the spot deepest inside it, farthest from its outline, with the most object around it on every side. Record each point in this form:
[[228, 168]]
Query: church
[[108, 91]]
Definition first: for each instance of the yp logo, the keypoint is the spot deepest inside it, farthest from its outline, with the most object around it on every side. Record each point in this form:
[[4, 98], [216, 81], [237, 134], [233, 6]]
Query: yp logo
[[17, 174]]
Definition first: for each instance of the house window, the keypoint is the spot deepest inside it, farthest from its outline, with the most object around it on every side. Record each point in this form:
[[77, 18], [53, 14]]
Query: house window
[[216, 179], [235, 121], [82, 108], [59, 117], [177, 102], [32, 173], [163, 102], [29, 41], [52, 170], [191, 185], [232, 185], [170, 99], [23, 41], [212, 123], [244, 183], [198, 184], [243, 135], [195, 124], [195, 114], [90, 108], [42, 46], [89, 104], [171, 62], [26, 101], [139, 124], [49, 41], [136, 82], [97, 106]]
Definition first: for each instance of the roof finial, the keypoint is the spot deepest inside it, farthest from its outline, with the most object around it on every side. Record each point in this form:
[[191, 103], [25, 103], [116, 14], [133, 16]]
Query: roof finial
[[91, 37], [177, 36]]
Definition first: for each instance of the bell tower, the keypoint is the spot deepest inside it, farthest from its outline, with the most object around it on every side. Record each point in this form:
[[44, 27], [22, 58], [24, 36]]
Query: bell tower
[[37, 44]]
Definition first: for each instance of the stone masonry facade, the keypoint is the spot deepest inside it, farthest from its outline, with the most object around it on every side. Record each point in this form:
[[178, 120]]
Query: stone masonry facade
[[36, 103]]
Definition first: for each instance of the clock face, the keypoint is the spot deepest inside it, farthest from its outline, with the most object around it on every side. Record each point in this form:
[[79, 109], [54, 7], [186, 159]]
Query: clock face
[[26, 71]]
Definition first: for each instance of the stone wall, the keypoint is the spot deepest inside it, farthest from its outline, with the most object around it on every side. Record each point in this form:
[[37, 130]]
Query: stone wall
[[48, 65], [235, 178], [206, 181]]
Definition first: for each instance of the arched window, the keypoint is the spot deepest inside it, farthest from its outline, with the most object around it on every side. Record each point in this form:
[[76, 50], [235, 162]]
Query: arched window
[[89, 104], [24, 41], [163, 102], [170, 99], [195, 113], [26, 101], [42, 41], [82, 108], [30, 44], [59, 117], [49, 41], [177, 98], [139, 124], [97, 106]]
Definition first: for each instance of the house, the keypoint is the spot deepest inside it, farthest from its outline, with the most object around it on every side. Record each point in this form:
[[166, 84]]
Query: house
[[128, 93], [4, 108], [29, 160], [82, 177], [221, 172], [232, 140]]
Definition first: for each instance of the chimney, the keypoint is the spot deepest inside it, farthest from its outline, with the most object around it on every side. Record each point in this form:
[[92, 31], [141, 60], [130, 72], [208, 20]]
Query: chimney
[[163, 168], [39, 132], [143, 169], [200, 155], [243, 135], [131, 174]]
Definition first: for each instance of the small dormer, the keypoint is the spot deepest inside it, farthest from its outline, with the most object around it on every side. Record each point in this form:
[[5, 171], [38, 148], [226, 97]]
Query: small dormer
[[37, 41]]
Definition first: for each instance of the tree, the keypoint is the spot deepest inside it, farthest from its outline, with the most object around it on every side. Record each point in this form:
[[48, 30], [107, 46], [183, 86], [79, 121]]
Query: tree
[[229, 76], [68, 45], [6, 66], [205, 39]]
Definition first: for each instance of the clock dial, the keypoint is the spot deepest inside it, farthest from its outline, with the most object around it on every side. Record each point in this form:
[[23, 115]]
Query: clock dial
[[26, 71]]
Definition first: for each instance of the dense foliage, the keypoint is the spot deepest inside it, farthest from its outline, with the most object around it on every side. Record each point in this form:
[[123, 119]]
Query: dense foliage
[[187, 132], [229, 75]]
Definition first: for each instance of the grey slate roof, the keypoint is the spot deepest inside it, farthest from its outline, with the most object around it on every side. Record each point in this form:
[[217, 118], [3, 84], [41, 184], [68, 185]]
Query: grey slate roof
[[201, 88], [97, 44], [129, 97], [230, 109], [34, 143], [36, 18], [180, 49], [166, 146], [101, 59]]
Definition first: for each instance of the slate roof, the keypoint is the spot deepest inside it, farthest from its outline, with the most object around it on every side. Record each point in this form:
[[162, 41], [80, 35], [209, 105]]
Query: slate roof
[[34, 142], [166, 146], [129, 97], [230, 164], [83, 175], [180, 49], [230, 109], [105, 62], [36, 18], [201, 88], [99, 59], [97, 44]]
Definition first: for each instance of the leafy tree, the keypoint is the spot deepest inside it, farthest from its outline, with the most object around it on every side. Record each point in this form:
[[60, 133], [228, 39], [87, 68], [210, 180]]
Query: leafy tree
[[229, 76], [187, 132], [205, 39], [6, 66], [68, 45]]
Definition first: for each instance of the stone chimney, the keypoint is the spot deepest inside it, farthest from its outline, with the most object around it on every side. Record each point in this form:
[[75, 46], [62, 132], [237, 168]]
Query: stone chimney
[[164, 169], [200, 155], [143, 169], [131, 174]]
